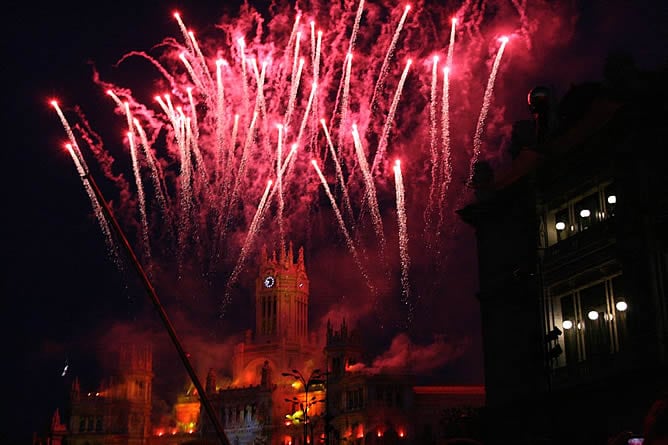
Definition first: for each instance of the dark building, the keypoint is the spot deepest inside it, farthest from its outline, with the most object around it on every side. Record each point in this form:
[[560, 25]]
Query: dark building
[[573, 262]]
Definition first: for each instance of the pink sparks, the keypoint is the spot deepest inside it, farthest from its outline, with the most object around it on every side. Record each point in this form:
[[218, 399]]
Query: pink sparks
[[503, 39], [454, 20], [54, 103]]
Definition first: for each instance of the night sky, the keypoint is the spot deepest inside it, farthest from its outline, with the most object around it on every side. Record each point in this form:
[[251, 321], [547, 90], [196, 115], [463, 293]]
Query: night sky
[[65, 298]]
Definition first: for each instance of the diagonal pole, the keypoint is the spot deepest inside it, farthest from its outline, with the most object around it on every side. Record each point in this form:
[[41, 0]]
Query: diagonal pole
[[161, 311]]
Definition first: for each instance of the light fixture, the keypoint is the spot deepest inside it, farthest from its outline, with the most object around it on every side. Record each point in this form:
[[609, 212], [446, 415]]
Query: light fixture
[[592, 315], [612, 199], [584, 213], [560, 225], [621, 306], [567, 324]]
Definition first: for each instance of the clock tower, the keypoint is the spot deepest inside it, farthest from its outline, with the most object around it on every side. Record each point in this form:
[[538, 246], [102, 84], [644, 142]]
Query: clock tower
[[281, 298], [281, 341]]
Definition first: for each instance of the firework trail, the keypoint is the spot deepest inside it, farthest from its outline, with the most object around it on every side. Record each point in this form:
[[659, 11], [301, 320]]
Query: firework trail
[[142, 198], [208, 142], [403, 241], [252, 232], [433, 148], [384, 69], [487, 99], [82, 169], [445, 144], [382, 144], [339, 171], [371, 195]]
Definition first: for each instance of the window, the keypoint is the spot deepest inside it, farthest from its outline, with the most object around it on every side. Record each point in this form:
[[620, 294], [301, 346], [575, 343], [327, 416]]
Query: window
[[593, 320], [586, 212], [580, 213]]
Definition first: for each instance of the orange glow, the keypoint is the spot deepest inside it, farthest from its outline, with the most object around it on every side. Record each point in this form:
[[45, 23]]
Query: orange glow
[[401, 433], [380, 433]]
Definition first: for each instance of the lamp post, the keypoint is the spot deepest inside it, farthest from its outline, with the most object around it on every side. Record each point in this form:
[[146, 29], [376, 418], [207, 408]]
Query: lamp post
[[315, 378]]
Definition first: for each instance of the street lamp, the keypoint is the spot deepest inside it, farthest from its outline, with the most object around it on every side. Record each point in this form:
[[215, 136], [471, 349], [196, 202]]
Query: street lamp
[[315, 378]]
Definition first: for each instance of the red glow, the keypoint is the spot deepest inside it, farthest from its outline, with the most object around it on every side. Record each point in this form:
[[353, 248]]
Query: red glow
[[177, 15], [454, 20], [401, 434], [408, 7], [503, 39], [380, 434], [54, 103]]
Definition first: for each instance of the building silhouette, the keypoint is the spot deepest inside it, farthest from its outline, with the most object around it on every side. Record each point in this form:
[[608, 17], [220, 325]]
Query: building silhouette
[[573, 262]]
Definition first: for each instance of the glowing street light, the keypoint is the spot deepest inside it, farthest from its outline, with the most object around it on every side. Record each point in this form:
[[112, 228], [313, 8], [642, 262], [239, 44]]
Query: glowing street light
[[315, 378]]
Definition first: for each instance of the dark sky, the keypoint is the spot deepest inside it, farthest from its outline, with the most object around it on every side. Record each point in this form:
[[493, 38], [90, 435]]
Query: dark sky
[[63, 294]]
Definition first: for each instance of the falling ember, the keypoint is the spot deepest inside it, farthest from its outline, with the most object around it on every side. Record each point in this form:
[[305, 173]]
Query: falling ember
[[487, 99], [202, 152], [403, 241]]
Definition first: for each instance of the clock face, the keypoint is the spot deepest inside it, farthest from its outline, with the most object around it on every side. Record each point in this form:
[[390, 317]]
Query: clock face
[[269, 281]]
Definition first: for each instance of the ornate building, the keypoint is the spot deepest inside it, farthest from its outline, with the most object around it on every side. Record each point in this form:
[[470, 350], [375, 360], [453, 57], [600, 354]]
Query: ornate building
[[286, 388]]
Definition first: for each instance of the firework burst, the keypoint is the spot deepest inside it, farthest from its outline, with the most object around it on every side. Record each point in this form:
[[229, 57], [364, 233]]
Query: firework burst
[[345, 87]]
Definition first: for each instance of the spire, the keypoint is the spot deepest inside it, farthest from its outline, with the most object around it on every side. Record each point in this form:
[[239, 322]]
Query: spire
[[300, 260], [291, 255], [211, 381], [76, 389], [55, 420], [264, 255]]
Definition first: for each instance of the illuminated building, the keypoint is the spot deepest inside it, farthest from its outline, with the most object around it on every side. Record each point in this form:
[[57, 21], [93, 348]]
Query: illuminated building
[[263, 403], [572, 254], [119, 412]]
